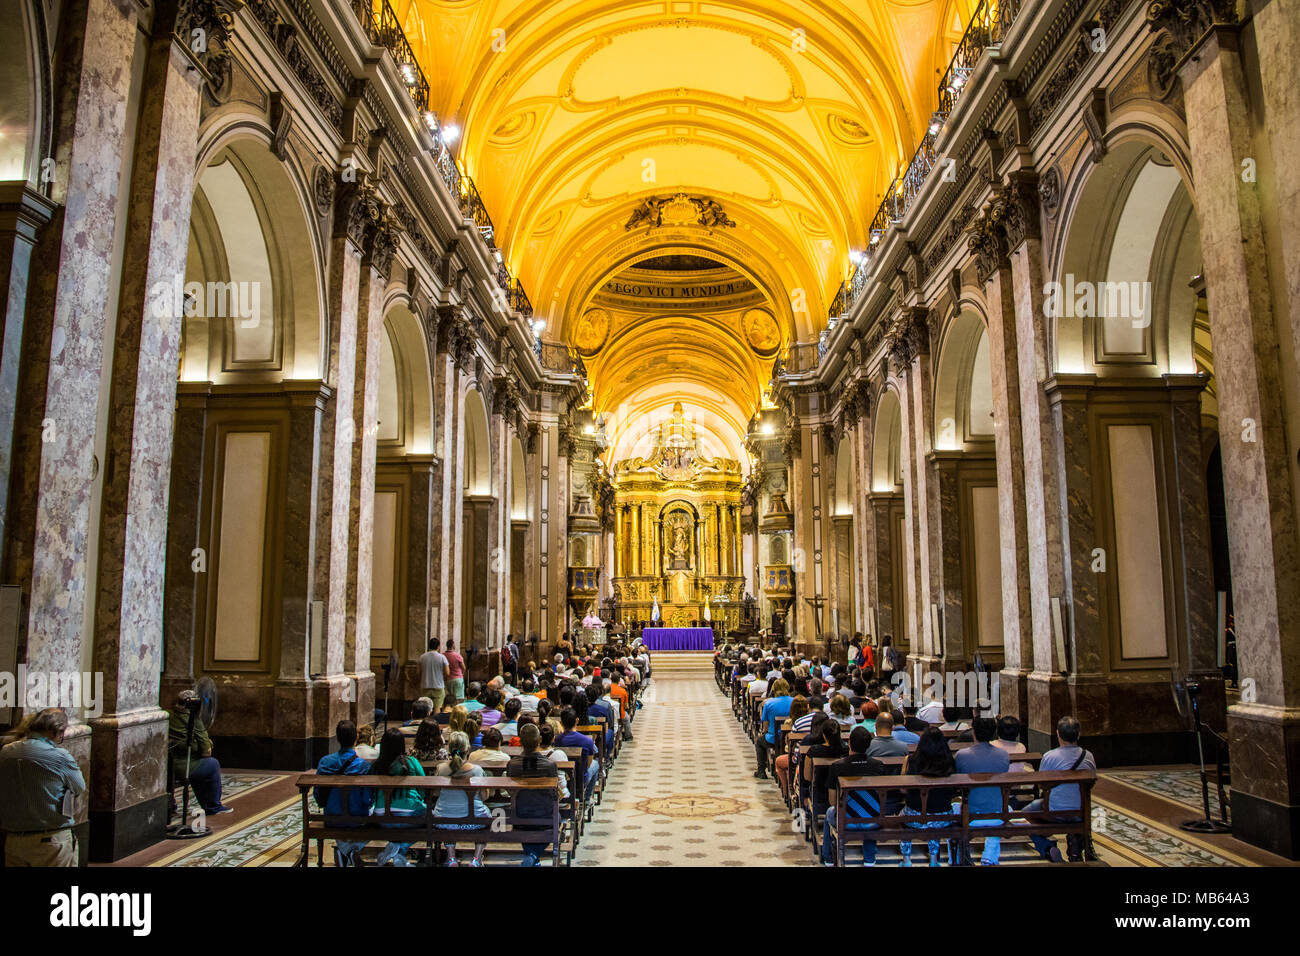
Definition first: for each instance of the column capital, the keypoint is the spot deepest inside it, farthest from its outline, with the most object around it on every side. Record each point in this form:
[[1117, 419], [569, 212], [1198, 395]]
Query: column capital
[[23, 211], [1188, 22]]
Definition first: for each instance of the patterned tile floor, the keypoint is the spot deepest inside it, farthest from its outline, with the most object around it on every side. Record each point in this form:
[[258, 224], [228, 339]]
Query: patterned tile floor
[[683, 794]]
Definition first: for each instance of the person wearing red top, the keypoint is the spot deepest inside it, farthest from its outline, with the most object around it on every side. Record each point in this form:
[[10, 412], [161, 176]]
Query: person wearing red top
[[619, 693], [455, 675]]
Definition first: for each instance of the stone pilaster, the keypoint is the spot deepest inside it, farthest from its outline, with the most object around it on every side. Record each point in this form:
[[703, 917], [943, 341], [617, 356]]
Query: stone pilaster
[[23, 212]]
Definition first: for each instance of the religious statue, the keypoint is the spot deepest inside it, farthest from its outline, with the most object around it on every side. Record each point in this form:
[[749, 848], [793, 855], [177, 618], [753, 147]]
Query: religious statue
[[679, 540]]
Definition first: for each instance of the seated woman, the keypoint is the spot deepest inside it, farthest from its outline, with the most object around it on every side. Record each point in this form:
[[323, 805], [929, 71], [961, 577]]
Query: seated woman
[[798, 708], [841, 711], [932, 758], [456, 722], [456, 803], [393, 761], [428, 745]]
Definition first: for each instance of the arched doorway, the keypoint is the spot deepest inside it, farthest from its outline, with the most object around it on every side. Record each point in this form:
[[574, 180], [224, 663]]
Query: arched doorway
[[476, 534]]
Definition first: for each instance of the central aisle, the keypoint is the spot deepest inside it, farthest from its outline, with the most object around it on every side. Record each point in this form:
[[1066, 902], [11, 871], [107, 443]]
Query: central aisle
[[683, 793]]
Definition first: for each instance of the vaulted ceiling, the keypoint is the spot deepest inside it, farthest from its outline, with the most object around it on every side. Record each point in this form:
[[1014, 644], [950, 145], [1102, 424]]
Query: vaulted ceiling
[[792, 116]]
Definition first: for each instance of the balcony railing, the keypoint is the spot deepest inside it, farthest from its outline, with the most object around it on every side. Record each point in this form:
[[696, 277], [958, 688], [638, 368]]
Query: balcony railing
[[519, 300], [471, 206], [987, 28], [380, 22]]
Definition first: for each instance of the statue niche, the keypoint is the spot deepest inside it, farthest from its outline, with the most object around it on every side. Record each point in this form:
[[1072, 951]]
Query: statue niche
[[679, 532]]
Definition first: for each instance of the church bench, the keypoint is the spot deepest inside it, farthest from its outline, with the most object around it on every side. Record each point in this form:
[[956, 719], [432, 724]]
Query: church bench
[[423, 827], [572, 808], [961, 826], [596, 732]]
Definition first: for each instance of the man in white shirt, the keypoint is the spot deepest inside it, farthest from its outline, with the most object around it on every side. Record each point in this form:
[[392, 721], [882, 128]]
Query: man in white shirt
[[434, 671], [527, 699], [931, 712]]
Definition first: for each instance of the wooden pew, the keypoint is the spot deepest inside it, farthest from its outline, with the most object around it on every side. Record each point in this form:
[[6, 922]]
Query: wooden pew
[[889, 792], [423, 827]]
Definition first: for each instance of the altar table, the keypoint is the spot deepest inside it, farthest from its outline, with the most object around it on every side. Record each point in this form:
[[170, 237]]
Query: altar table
[[678, 638]]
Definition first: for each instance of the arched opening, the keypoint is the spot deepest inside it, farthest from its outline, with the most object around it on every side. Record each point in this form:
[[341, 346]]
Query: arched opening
[[253, 318], [20, 96], [399, 570], [1127, 306], [887, 446]]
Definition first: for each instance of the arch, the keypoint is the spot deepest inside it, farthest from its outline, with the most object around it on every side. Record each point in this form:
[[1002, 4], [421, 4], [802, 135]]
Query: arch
[[250, 227], [405, 384], [963, 387], [887, 444], [1120, 301], [476, 453], [24, 80]]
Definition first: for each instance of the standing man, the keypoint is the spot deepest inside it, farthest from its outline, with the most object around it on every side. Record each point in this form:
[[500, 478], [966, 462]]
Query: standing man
[[39, 782], [456, 671], [434, 671]]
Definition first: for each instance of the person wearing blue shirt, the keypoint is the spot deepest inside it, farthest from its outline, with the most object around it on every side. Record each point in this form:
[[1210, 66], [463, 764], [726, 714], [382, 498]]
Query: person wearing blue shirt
[[1068, 756], [571, 738], [775, 710], [598, 708], [344, 803], [983, 757]]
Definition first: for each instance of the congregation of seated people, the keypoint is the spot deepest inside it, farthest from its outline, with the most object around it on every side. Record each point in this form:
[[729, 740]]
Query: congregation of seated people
[[849, 719], [458, 731]]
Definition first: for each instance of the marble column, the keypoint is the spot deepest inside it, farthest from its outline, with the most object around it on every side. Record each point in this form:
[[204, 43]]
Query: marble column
[[1004, 375], [128, 804], [1256, 403], [54, 466], [955, 652], [1044, 494]]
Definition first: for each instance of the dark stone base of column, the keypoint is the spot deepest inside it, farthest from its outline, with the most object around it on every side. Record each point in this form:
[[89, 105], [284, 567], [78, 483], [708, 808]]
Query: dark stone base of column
[[270, 753], [1270, 826], [483, 667], [114, 834], [1013, 694], [1265, 746]]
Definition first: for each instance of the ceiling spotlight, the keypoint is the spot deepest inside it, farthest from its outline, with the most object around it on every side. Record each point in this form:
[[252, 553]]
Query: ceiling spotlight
[[856, 257], [589, 430], [936, 123], [767, 428], [450, 133], [410, 76], [431, 120]]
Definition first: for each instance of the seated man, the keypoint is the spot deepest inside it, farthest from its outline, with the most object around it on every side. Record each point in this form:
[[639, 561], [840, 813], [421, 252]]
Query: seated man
[[527, 697], [931, 712], [983, 757], [490, 754], [422, 708], [204, 773], [596, 707], [344, 803], [475, 694], [860, 806], [885, 744], [1009, 740], [491, 710], [572, 738], [531, 763], [1068, 756], [509, 725]]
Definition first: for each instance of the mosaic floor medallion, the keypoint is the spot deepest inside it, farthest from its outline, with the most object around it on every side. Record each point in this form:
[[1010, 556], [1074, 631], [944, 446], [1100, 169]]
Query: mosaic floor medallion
[[691, 806]]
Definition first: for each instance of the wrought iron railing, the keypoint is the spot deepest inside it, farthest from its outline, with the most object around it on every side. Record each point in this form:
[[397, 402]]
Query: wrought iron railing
[[382, 27], [519, 300], [987, 28], [471, 206], [446, 164], [799, 357]]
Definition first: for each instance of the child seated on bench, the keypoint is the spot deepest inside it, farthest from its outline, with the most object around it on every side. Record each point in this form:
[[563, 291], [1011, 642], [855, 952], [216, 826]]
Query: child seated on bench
[[455, 803]]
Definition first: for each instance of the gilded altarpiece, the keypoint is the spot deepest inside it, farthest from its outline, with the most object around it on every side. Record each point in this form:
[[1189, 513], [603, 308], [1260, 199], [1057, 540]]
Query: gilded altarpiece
[[677, 532]]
